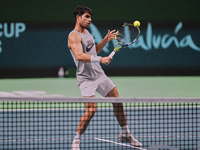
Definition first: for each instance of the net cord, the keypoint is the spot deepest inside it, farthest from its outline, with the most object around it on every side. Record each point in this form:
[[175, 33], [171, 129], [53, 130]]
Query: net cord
[[100, 100]]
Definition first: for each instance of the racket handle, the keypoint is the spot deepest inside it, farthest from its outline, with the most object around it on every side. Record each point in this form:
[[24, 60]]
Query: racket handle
[[111, 54]]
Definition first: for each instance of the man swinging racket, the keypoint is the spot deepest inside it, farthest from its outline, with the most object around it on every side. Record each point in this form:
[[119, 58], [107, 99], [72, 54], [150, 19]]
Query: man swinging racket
[[91, 77]]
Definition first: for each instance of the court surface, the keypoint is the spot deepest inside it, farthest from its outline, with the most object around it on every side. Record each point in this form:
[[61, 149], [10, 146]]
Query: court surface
[[127, 86], [56, 132]]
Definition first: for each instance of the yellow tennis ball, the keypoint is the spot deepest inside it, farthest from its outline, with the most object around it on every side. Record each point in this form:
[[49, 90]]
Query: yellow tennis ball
[[136, 23]]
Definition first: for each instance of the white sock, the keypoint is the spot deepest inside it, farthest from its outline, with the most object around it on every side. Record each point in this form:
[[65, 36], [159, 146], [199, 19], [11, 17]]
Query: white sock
[[125, 129], [78, 136]]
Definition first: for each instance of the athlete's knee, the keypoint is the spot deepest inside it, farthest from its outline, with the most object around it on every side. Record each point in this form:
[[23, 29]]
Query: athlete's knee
[[91, 110]]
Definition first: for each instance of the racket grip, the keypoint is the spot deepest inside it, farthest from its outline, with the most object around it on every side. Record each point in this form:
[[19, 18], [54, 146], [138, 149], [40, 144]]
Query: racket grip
[[111, 54]]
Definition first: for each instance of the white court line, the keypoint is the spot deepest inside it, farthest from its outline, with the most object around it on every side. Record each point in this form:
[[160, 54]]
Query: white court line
[[119, 143]]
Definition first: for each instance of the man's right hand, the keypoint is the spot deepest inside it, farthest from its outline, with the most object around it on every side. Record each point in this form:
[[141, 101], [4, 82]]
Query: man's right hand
[[105, 60]]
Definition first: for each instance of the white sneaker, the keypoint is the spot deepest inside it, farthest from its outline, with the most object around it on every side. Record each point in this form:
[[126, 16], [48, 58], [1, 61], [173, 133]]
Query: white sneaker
[[76, 144], [128, 138]]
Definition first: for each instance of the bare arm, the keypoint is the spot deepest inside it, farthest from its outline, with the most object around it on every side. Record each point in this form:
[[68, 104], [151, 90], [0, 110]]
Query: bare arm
[[110, 35], [74, 43]]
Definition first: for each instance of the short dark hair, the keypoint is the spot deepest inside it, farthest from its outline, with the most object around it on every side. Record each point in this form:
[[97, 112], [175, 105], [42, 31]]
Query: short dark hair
[[80, 10]]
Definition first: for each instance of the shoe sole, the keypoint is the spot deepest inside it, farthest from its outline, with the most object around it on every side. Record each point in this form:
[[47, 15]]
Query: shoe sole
[[124, 140]]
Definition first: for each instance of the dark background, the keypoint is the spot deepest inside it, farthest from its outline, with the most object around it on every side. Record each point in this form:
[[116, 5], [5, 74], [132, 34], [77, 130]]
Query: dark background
[[42, 48]]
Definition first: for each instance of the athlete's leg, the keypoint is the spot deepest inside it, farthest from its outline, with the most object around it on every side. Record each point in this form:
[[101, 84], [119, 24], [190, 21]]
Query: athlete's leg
[[83, 124], [118, 108], [125, 135], [85, 119]]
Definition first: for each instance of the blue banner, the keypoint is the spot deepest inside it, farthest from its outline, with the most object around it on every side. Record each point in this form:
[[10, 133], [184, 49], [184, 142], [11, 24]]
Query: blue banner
[[26, 47]]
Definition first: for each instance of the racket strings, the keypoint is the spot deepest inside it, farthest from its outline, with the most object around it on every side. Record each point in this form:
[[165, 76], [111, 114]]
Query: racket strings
[[127, 34]]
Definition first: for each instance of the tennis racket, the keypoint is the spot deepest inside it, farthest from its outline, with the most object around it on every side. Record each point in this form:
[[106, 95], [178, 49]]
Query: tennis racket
[[125, 36]]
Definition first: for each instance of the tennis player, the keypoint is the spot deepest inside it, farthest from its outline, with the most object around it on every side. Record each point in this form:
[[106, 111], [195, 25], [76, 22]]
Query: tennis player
[[91, 77]]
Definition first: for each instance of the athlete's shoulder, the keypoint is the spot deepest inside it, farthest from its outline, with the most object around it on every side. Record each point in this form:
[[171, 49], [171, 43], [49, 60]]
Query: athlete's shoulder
[[74, 37]]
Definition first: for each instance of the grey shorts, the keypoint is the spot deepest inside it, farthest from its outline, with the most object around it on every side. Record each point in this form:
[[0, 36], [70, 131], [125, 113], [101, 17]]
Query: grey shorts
[[103, 86]]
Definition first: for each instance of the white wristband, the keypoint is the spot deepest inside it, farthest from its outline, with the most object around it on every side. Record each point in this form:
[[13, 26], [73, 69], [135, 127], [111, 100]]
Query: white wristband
[[95, 59]]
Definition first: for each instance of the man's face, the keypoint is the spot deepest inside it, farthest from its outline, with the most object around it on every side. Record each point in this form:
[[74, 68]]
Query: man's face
[[84, 20]]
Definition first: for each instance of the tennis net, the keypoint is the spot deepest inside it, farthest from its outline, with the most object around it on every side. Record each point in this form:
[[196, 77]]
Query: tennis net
[[51, 123]]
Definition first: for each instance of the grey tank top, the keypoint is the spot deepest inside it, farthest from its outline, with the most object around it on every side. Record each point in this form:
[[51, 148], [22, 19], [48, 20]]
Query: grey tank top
[[87, 71]]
